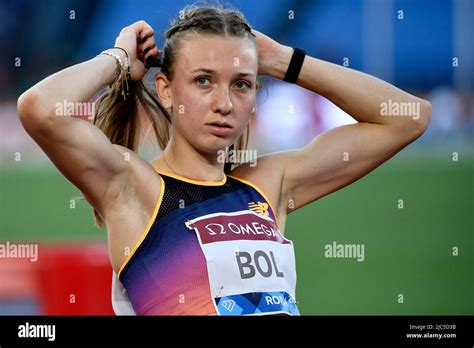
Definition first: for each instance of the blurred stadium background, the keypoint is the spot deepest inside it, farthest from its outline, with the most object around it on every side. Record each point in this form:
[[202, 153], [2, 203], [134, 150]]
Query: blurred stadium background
[[423, 46]]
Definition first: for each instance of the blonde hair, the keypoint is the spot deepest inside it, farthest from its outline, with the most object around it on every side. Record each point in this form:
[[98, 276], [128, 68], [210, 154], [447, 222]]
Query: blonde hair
[[119, 118]]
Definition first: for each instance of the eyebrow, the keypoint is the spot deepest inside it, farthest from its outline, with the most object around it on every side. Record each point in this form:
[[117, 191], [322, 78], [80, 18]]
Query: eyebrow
[[211, 72]]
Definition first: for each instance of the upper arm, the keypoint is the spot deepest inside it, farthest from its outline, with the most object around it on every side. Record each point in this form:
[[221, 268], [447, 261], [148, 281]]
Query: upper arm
[[339, 157], [81, 151]]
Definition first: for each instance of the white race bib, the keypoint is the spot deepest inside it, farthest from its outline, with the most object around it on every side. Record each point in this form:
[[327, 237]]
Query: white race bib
[[251, 266]]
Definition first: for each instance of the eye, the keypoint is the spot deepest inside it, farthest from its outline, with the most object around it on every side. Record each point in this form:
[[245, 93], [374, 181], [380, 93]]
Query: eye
[[241, 84], [201, 81]]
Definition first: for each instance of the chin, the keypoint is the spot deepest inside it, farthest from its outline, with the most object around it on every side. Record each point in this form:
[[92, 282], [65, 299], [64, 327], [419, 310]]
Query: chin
[[213, 144]]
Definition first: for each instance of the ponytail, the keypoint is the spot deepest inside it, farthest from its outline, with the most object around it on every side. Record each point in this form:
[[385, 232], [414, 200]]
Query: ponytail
[[119, 118]]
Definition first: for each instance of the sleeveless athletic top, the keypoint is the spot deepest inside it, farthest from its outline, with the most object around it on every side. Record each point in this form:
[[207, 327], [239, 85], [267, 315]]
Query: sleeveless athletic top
[[211, 248]]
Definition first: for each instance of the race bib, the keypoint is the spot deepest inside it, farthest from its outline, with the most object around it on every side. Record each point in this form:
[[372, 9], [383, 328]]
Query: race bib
[[251, 266]]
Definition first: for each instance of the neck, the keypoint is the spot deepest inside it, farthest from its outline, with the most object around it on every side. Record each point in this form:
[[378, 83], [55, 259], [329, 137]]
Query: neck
[[182, 159]]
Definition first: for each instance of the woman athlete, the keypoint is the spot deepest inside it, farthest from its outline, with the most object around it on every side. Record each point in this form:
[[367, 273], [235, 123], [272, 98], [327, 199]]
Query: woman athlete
[[185, 237]]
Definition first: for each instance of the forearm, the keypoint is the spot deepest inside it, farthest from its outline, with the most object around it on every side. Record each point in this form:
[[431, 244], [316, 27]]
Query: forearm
[[77, 83], [360, 95]]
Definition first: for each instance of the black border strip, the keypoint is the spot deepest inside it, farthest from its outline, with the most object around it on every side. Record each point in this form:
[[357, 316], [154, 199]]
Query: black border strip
[[138, 331]]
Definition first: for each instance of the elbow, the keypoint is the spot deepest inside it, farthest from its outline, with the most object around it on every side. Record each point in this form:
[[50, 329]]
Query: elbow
[[29, 108], [423, 121], [417, 122], [26, 104]]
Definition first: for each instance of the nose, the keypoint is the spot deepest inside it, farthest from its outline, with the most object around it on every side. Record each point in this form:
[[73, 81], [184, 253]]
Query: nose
[[222, 102]]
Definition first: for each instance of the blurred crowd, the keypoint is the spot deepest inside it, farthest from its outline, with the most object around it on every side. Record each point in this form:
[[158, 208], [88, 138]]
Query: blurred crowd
[[422, 47]]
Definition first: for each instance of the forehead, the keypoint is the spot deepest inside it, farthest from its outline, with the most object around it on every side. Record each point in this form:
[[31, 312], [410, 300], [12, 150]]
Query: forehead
[[217, 53]]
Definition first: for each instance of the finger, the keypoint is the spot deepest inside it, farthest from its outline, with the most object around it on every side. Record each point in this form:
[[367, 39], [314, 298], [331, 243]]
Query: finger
[[146, 36], [147, 45], [139, 26], [143, 30], [154, 52], [146, 50], [143, 52]]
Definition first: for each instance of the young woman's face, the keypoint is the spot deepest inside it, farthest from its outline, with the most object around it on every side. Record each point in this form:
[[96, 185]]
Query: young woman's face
[[215, 81]]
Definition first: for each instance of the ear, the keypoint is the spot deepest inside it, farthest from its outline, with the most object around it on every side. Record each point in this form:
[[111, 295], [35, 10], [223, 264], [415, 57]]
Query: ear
[[163, 90]]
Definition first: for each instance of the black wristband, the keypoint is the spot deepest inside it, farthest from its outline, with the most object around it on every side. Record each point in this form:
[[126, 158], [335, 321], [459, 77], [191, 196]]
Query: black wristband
[[296, 63]]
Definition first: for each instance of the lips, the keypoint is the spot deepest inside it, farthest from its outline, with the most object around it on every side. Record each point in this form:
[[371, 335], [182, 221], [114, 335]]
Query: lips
[[220, 124], [220, 129]]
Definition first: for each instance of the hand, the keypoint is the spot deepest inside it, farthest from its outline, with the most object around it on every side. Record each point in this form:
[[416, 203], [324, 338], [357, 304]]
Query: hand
[[274, 58], [137, 39]]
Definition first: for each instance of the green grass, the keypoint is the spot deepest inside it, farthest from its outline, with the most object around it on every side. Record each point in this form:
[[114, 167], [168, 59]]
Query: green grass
[[35, 206], [407, 251]]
